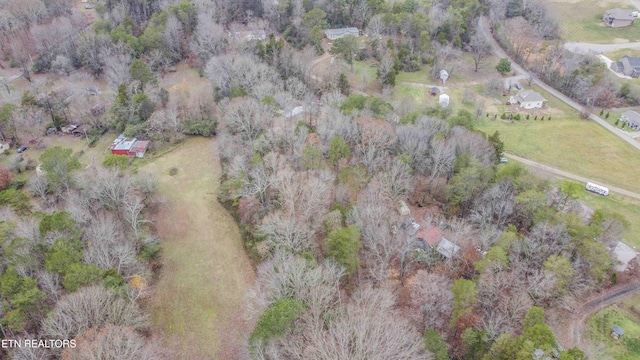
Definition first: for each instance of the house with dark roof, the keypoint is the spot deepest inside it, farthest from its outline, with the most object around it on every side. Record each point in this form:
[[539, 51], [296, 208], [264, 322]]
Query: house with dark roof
[[619, 17], [333, 34], [528, 99], [631, 118], [627, 65]]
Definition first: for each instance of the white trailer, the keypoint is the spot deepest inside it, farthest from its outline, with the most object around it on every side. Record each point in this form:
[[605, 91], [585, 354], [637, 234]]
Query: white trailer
[[595, 188]]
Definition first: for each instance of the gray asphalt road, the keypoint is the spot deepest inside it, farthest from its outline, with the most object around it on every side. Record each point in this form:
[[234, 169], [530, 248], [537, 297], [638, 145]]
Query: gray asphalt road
[[499, 52], [585, 48], [571, 176]]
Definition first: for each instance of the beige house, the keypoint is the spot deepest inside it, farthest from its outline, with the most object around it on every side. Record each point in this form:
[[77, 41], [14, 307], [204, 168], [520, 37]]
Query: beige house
[[528, 99]]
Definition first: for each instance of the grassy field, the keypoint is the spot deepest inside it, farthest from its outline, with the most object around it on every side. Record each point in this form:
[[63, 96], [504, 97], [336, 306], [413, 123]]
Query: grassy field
[[569, 143], [198, 299], [627, 316], [582, 21]]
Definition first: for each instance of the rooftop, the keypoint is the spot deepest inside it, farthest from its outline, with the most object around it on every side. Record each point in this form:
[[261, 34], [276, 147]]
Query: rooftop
[[430, 234], [342, 31], [620, 14], [140, 146], [618, 330], [447, 249], [125, 144], [530, 95]]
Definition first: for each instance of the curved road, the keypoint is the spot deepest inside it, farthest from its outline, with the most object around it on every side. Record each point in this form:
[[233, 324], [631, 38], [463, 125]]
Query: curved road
[[575, 330], [571, 176], [499, 52]]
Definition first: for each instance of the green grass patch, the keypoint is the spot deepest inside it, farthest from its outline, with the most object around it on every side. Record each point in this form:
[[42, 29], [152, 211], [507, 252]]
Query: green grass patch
[[417, 93], [423, 76], [582, 21], [569, 143], [627, 207], [617, 54], [199, 295], [363, 74], [624, 315]]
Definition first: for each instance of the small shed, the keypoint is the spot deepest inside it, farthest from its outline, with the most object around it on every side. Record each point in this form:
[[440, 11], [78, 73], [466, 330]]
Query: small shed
[[447, 249], [443, 100], [434, 91], [410, 226], [616, 332]]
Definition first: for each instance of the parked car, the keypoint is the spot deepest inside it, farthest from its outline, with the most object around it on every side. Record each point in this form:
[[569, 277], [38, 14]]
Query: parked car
[[88, 6], [517, 86], [22, 149], [504, 160]]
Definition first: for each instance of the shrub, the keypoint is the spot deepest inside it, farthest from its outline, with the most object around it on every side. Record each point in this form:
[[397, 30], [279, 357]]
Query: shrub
[[277, 319], [118, 161], [16, 200], [343, 245], [204, 127], [504, 116], [434, 343]]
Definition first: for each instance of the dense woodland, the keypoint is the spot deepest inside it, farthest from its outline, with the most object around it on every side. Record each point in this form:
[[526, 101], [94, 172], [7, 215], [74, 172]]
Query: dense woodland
[[318, 196]]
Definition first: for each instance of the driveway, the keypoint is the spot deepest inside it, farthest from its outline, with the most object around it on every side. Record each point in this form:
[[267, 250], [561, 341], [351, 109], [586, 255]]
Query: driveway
[[571, 176], [586, 48], [483, 26]]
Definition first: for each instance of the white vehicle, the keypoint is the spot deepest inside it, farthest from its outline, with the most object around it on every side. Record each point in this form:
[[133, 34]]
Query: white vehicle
[[595, 188]]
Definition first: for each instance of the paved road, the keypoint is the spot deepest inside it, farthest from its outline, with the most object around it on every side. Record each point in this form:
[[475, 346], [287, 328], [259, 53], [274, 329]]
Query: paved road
[[586, 48], [578, 322], [499, 52], [571, 176]]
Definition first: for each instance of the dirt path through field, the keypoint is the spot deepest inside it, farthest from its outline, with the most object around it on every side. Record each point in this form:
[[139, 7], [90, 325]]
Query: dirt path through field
[[574, 335], [197, 302]]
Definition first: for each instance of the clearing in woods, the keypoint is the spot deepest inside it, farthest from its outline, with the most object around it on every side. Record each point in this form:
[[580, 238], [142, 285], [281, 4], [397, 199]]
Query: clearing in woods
[[197, 302]]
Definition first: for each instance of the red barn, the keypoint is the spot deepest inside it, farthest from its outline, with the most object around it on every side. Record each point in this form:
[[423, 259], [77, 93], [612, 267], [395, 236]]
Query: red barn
[[130, 147]]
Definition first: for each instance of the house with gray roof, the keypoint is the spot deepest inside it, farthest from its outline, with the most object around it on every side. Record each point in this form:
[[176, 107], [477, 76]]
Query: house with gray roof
[[447, 249], [632, 119], [619, 17], [528, 99], [333, 34], [627, 65]]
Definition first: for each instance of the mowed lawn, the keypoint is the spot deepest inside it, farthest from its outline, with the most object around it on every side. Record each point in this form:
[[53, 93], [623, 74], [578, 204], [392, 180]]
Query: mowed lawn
[[625, 315], [582, 21], [197, 303], [569, 143]]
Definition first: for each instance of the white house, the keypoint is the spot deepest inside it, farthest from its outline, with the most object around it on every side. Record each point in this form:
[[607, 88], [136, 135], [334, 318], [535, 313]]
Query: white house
[[443, 100], [528, 99], [333, 34]]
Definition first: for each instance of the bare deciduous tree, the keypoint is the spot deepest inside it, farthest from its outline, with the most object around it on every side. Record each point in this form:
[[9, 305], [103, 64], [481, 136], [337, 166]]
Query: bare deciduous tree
[[248, 118], [92, 306], [111, 342]]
